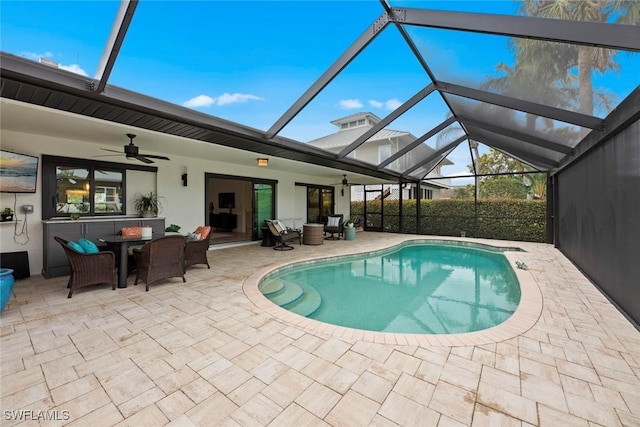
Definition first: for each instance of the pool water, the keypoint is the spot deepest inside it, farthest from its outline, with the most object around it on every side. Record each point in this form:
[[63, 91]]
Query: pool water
[[442, 288]]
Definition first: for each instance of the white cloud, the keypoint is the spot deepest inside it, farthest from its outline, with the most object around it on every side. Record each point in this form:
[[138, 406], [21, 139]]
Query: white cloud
[[74, 68], [224, 99], [199, 101], [390, 104], [350, 104], [236, 98]]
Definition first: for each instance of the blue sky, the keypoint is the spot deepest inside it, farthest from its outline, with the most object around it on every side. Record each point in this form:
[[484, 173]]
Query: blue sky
[[249, 61]]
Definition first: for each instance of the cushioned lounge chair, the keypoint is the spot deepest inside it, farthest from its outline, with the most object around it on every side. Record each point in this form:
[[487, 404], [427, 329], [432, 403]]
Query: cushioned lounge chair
[[334, 225], [89, 268], [283, 235]]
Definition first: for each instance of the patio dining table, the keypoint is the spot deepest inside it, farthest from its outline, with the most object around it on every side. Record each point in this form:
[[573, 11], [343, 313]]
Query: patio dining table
[[124, 244]]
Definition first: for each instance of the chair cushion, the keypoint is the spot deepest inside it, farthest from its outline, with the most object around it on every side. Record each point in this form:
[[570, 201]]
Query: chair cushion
[[88, 246], [193, 237], [203, 231], [274, 222], [280, 226], [333, 221], [76, 247]]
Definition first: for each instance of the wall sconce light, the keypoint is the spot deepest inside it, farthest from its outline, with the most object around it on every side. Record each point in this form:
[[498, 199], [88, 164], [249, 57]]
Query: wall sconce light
[[184, 176], [263, 162]]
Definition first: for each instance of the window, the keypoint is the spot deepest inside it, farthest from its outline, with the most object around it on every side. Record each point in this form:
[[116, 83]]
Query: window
[[425, 193], [84, 187], [320, 203], [72, 190], [384, 152], [77, 187]]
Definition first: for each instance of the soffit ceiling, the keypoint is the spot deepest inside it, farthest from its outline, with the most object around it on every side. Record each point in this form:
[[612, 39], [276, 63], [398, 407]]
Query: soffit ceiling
[[518, 116]]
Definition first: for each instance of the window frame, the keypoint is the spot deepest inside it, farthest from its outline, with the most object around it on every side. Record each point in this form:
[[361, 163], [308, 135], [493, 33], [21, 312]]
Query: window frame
[[50, 181]]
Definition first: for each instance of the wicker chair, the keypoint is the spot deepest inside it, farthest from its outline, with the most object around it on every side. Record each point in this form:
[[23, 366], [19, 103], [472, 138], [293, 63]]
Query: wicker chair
[[89, 269], [334, 229], [160, 259], [195, 252]]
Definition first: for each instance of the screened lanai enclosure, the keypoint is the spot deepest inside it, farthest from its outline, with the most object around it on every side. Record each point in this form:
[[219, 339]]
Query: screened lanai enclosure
[[519, 124]]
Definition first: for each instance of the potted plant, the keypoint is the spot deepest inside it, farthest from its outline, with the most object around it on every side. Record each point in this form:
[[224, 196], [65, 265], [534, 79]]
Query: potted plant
[[173, 228], [7, 214], [149, 205]]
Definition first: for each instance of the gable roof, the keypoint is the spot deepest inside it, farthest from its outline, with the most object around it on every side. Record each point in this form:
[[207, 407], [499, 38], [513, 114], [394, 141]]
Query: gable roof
[[344, 137]]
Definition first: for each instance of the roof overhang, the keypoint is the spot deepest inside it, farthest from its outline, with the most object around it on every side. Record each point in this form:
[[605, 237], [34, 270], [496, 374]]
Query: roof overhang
[[44, 86]]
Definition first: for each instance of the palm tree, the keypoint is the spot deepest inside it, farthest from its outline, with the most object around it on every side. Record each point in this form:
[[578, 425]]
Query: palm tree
[[536, 76], [588, 58]]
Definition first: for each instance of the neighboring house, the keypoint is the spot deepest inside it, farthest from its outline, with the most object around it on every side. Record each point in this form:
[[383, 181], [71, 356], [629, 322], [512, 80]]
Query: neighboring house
[[380, 147]]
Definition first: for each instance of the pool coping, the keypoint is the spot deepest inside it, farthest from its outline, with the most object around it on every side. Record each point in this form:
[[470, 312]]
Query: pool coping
[[524, 318]]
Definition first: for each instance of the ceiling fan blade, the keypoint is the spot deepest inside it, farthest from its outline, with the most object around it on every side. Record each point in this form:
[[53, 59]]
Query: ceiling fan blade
[[151, 156], [143, 159], [131, 152]]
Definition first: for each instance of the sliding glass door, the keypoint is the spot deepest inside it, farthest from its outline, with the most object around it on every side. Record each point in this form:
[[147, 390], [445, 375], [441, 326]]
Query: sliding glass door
[[263, 206]]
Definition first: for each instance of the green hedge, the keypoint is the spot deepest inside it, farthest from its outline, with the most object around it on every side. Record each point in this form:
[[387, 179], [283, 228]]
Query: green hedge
[[523, 220]]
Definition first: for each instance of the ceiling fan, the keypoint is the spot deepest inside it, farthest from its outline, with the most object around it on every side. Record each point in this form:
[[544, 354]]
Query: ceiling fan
[[131, 152], [344, 183]]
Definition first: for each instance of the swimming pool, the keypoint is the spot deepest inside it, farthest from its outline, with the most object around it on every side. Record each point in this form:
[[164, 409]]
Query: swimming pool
[[425, 287]]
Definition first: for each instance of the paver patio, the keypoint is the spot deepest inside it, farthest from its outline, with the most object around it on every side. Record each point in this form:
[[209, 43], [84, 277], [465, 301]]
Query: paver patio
[[202, 353]]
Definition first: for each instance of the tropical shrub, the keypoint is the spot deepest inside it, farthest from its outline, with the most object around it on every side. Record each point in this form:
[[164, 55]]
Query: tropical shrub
[[505, 219]]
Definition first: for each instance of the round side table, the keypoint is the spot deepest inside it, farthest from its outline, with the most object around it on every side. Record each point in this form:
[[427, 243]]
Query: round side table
[[313, 234], [349, 233], [267, 238]]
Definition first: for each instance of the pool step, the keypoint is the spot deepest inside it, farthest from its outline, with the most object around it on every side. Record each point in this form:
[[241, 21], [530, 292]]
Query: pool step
[[300, 298], [288, 294], [271, 287], [307, 304]]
